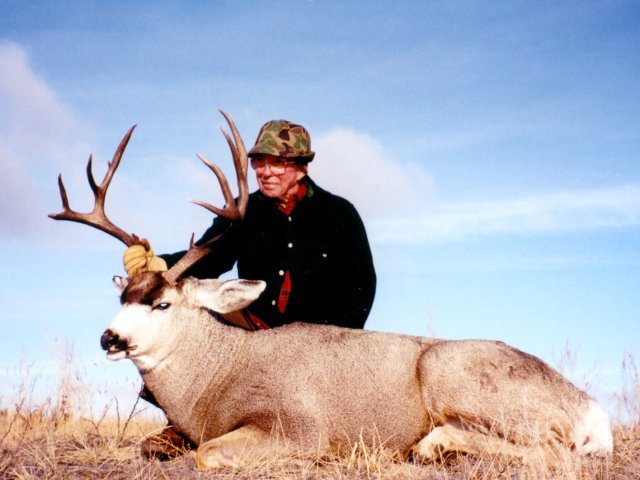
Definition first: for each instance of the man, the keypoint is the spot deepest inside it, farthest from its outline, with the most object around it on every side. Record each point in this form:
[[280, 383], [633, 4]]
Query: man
[[309, 245]]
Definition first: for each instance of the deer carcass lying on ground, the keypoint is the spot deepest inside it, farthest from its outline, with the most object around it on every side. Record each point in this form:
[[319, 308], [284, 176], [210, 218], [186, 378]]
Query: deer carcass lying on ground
[[324, 388]]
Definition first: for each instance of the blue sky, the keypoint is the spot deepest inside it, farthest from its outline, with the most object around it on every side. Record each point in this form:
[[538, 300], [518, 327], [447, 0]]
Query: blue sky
[[491, 148]]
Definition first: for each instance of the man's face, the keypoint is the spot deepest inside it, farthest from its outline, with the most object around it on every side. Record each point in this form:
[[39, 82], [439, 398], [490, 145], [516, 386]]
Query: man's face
[[279, 184]]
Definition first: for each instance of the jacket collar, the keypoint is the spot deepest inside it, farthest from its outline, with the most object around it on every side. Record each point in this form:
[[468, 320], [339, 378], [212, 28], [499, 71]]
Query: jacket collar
[[312, 189]]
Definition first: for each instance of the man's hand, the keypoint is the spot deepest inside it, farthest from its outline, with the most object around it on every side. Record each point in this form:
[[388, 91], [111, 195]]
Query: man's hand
[[140, 258]]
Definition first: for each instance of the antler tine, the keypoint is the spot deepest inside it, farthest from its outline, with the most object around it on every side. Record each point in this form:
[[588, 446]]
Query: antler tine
[[63, 195], [232, 210], [97, 217], [240, 161], [101, 191]]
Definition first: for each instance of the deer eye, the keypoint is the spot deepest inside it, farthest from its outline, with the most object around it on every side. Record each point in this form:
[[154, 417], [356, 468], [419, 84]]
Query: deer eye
[[162, 306]]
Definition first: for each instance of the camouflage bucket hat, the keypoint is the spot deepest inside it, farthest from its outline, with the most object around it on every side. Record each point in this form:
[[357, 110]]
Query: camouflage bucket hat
[[283, 139]]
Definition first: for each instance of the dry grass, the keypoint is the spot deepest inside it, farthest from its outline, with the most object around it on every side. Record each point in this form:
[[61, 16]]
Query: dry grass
[[36, 446], [53, 440]]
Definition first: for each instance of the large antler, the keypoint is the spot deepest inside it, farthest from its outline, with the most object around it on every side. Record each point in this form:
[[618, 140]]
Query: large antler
[[231, 210], [97, 217]]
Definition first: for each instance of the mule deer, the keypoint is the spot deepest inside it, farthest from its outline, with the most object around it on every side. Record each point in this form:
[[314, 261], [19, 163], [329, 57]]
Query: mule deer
[[323, 387]]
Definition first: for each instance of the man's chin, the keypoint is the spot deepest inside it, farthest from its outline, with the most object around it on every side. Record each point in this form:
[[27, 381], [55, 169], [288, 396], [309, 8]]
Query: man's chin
[[270, 192]]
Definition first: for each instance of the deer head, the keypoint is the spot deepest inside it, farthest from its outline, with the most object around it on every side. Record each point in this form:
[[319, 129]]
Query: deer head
[[156, 314]]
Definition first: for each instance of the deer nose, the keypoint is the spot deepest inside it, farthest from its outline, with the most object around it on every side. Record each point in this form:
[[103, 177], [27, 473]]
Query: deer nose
[[111, 339]]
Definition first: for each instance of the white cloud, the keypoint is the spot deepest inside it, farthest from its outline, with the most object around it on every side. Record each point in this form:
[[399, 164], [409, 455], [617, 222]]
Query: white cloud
[[37, 133], [357, 167], [616, 207]]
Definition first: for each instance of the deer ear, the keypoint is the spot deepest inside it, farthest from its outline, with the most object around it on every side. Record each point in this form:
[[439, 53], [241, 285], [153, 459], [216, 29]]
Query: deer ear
[[224, 296], [120, 283]]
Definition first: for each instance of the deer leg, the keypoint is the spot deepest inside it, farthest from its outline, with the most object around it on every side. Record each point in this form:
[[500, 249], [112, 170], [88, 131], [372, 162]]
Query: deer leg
[[228, 449], [452, 438]]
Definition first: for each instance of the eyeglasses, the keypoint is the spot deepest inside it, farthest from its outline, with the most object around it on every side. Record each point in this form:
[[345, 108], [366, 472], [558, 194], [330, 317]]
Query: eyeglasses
[[277, 166]]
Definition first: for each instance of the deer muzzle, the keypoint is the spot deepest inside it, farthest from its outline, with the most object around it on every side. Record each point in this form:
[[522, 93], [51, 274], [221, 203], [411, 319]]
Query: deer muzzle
[[115, 346]]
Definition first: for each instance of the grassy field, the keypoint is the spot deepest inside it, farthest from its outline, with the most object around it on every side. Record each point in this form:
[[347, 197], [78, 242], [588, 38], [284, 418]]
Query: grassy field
[[55, 440]]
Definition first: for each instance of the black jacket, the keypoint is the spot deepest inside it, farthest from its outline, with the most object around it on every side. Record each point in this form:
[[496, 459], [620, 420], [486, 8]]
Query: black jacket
[[324, 246]]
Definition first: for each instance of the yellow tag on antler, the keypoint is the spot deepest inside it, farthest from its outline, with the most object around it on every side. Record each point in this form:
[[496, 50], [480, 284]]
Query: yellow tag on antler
[[140, 258], [156, 264]]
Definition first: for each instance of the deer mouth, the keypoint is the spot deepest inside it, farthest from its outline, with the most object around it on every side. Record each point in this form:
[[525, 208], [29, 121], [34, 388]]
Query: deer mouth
[[116, 347], [115, 354]]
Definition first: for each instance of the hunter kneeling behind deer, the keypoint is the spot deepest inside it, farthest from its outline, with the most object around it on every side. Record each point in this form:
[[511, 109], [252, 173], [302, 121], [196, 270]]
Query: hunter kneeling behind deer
[[322, 387]]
